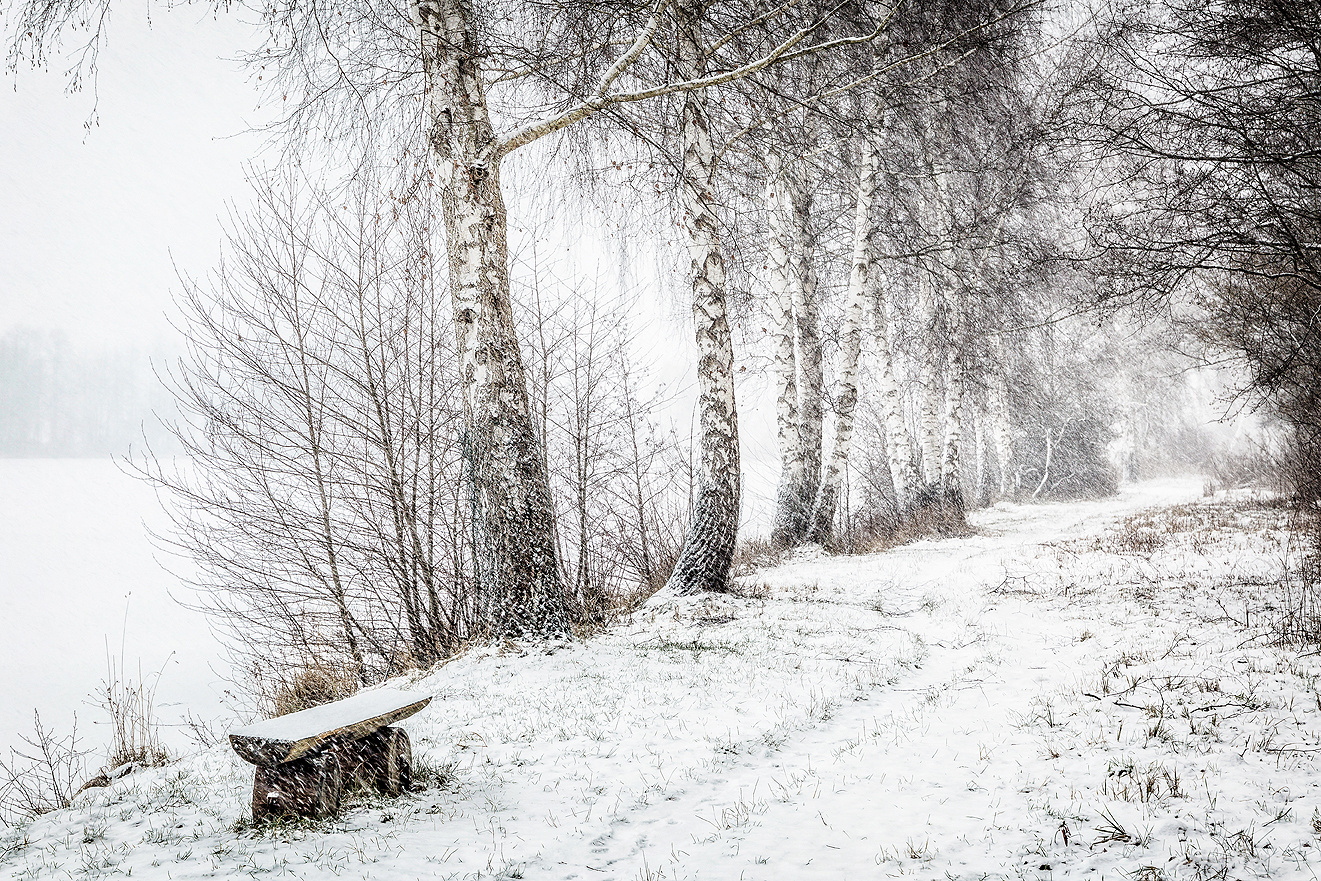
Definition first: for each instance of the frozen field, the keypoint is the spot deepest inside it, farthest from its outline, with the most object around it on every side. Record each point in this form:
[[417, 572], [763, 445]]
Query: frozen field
[[78, 577], [1054, 696]]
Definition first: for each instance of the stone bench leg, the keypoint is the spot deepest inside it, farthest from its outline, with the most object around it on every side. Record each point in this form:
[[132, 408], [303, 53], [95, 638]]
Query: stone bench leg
[[308, 788], [382, 761], [312, 787]]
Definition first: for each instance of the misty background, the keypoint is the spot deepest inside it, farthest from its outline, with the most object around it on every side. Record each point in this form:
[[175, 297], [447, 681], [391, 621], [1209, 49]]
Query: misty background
[[107, 195]]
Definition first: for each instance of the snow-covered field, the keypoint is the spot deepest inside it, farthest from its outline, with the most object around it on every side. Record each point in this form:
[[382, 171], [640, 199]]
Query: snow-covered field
[[1065, 693], [79, 579]]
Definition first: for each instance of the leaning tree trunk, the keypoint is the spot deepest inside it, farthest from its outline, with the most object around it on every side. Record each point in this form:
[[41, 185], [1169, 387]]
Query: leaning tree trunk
[[514, 551], [790, 522], [811, 391], [850, 346], [708, 548]]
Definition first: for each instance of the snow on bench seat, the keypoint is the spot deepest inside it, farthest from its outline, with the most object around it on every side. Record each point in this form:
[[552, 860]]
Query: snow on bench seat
[[288, 737]]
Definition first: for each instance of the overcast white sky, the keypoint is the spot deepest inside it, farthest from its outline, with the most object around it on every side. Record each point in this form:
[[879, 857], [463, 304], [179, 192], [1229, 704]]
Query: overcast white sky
[[90, 218]]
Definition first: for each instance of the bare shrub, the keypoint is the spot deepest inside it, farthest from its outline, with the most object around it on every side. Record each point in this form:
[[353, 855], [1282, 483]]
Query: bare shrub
[[322, 502], [46, 773], [43, 775], [1299, 618], [203, 733], [619, 480], [326, 502]]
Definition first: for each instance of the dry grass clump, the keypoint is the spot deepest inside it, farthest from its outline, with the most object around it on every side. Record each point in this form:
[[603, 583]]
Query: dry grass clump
[[755, 554], [878, 535], [1294, 606], [311, 685], [1200, 523], [134, 732], [1156, 783]]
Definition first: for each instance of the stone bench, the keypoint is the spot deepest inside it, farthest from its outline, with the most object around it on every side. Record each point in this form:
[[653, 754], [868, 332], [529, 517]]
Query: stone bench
[[305, 760]]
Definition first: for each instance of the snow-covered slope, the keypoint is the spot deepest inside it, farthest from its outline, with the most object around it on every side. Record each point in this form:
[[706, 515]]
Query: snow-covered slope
[[1050, 696]]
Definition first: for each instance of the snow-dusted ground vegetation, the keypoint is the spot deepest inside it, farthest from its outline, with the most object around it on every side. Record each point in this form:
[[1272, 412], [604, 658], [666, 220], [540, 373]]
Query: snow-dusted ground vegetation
[[1085, 689]]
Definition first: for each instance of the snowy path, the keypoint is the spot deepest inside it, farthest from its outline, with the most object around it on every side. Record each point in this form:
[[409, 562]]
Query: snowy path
[[1032, 701], [938, 757]]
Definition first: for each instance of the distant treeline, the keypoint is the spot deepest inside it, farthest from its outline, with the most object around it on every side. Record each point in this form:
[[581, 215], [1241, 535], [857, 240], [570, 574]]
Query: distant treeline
[[59, 401]]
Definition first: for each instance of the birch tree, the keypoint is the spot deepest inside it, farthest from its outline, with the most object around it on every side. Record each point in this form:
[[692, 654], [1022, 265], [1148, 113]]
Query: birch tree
[[790, 519], [807, 322], [793, 279], [554, 66], [957, 175], [708, 548], [861, 288]]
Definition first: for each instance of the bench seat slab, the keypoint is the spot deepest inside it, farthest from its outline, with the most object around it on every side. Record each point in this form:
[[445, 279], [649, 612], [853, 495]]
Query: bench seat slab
[[296, 735]]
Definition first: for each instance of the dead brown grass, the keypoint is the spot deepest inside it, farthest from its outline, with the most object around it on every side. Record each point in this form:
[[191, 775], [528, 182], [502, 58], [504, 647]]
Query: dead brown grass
[[309, 686]]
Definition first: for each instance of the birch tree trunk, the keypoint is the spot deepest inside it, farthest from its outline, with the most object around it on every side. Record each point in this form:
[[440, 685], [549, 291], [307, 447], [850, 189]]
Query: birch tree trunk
[[518, 580], [929, 385], [811, 390], [790, 522], [850, 347], [951, 489], [708, 548], [898, 440], [979, 471], [1002, 432]]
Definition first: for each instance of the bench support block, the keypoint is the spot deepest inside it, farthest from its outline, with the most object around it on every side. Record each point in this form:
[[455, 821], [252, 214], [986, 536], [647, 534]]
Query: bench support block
[[312, 787], [308, 788], [382, 761]]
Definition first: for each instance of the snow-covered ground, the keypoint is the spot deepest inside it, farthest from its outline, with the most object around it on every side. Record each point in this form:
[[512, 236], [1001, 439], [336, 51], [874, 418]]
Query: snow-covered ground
[[1071, 691]]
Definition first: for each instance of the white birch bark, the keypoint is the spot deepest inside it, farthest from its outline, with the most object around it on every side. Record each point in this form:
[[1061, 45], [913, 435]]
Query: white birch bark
[[708, 547], [850, 347], [979, 472], [898, 440], [929, 384], [790, 521], [514, 546], [811, 388], [950, 486], [1002, 432], [935, 449]]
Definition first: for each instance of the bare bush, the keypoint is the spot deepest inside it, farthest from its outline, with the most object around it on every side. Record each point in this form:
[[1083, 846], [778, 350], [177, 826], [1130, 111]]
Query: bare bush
[[43, 775], [620, 482], [325, 499], [322, 502]]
